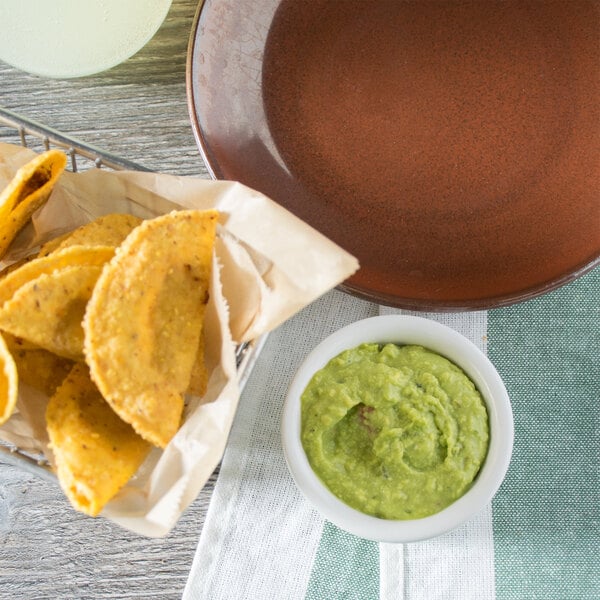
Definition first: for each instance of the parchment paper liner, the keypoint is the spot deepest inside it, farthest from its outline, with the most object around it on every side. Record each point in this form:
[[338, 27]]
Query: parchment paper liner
[[268, 265]]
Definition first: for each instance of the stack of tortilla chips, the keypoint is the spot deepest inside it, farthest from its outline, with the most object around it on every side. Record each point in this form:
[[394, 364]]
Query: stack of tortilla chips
[[107, 321]]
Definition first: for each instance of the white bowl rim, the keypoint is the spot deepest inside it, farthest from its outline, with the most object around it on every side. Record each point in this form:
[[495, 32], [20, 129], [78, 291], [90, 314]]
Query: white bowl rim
[[403, 329]]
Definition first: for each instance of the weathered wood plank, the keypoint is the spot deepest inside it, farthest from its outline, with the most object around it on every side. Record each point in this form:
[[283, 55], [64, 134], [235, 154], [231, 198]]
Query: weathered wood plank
[[47, 550]]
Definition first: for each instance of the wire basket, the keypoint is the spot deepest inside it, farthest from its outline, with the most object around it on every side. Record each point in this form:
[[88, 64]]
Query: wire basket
[[16, 129], [31, 134]]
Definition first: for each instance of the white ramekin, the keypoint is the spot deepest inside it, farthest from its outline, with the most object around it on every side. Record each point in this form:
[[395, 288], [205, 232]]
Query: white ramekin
[[401, 329]]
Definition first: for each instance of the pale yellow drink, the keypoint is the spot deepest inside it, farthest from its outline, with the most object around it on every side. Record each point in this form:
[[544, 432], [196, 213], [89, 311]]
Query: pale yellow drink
[[72, 38]]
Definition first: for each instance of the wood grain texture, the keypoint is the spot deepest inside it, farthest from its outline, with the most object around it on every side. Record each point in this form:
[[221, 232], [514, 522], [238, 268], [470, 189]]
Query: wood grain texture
[[137, 110]]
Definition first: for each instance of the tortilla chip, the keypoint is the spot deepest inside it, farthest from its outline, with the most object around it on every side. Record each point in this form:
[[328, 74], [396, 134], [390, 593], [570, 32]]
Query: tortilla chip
[[75, 255], [48, 311], [37, 367], [96, 453], [16, 344], [16, 265], [199, 378], [9, 383], [29, 189], [108, 230], [42, 370], [51, 245], [142, 325]]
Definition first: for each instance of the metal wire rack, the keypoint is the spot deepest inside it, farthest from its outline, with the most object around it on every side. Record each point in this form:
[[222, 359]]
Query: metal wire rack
[[31, 134], [17, 129]]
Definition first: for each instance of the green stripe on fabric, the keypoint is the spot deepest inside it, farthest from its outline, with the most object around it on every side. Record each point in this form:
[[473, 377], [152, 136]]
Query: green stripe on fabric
[[546, 515], [346, 567]]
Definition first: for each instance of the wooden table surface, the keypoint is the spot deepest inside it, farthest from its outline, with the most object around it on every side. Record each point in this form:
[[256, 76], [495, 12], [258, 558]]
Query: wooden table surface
[[137, 110]]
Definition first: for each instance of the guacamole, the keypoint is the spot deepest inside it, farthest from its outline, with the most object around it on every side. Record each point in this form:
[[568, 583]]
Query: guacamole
[[397, 432]]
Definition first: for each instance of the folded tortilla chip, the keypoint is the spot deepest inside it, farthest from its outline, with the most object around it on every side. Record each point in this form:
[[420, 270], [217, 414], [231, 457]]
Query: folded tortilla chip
[[144, 319], [96, 453], [40, 369], [9, 383], [29, 189], [31, 270], [108, 230], [48, 310], [199, 378], [16, 265], [52, 244], [16, 344]]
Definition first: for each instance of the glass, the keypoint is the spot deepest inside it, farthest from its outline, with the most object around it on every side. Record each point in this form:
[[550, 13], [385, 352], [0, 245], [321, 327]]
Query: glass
[[73, 38]]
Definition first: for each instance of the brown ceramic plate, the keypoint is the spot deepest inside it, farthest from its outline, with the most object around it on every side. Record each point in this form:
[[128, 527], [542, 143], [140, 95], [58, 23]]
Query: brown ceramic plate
[[453, 147]]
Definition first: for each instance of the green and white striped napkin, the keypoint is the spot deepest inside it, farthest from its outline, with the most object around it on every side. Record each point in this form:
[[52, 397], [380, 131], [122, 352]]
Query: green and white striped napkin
[[539, 538]]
